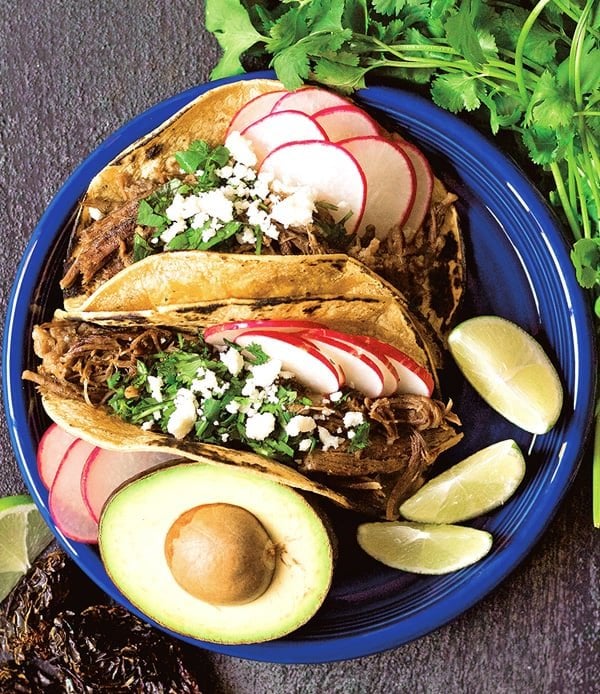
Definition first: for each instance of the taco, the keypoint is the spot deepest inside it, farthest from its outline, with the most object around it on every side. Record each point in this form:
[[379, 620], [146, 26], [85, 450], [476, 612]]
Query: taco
[[145, 203], [216, 392]]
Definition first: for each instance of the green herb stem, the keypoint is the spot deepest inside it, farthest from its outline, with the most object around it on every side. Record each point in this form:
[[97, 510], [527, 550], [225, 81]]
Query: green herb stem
[[520, 47]]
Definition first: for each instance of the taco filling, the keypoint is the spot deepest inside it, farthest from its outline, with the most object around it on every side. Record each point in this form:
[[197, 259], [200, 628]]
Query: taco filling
[[373, 450], [173, 191]]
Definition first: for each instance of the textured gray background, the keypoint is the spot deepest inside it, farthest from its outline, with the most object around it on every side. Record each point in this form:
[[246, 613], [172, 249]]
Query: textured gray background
[[72, 72]]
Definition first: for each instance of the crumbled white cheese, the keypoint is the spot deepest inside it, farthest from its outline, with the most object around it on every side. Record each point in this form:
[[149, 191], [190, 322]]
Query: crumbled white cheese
[[353, 419], [233, 407], [260, 425], [246, 236], [328, 440], [155, 383], [206, 384], [258, 217], [334, 397], [183, 417], [294, 210], [240, 148], [95, 213], [265, 374], [300, 424], [172, 230], [304, 445], [233, 360]]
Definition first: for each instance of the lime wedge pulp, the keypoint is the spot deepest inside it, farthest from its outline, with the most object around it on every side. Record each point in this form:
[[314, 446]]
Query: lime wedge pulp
[[423, 548], [510, 370], [23, 535], [476, 485]]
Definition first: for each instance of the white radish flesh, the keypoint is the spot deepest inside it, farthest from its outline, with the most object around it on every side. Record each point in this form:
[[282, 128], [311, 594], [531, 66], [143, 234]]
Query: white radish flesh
[[218, 334], [254, 109], [361, 372], [330, 171], [67, 506], [279, 128], [106, 470], [51, 450], [309, 101], [298, 356], [391, 183], [343, 122], [423, 189]]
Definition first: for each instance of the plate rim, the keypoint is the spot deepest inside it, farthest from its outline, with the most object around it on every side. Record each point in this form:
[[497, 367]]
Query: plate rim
[[365, 641]]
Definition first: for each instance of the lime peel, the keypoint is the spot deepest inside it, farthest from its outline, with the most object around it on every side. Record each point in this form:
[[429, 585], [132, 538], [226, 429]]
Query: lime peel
[[478, 484], [23, 536], [510, 370], [423, 548]]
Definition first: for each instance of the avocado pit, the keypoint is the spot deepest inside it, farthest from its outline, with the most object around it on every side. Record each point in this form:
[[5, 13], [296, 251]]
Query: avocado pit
[[220, 553]]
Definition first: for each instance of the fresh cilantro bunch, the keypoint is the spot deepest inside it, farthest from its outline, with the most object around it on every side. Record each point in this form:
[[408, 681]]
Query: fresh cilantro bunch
[[529, 70]]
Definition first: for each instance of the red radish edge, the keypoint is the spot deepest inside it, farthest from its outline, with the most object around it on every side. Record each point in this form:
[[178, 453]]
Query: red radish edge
[[267, 97], [296, 343], [66, 504], [51, 450], [356, 217], [104, 471], [214, 334]]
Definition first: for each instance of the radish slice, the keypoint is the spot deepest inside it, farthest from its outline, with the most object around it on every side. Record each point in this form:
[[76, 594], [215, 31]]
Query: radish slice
[[309, 101], [423, 189], [300, 357], [356, 343], [343, 122], [105, 470], [254, 109], [275, 129], [361, 372], [217, 334], [391, 189], [51, 450], [412, 377], [330, 171], [67, 507]]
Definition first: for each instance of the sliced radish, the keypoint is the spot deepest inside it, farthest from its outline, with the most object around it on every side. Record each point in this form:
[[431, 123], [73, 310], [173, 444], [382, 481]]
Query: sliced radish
[[300, 357], [423, 189], [309, 101], [391, 188], [329, 170], [66, 504], [361, 372], [275, 129], [356, 343], [104, 471], [343, 122], [412, 377], [254, 109], [51, 450], [217, 334]]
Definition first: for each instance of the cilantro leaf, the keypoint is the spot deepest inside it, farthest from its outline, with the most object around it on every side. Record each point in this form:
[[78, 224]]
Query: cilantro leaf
[[456, 92], [461, 34], [147, 217], [586, 259], [229, 21], [389, 8]]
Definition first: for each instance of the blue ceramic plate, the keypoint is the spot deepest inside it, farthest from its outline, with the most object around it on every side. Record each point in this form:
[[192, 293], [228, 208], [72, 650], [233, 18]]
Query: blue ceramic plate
[[518, 267]]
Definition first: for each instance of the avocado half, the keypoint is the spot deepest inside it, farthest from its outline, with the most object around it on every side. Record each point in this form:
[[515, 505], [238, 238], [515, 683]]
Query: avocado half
[[294, 554]]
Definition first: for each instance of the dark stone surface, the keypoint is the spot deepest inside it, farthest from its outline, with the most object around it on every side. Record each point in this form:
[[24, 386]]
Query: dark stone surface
[[70, 73]]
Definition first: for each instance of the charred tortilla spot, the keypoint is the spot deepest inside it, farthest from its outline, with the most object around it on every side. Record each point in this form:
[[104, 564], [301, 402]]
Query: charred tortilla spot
[[154, 150]]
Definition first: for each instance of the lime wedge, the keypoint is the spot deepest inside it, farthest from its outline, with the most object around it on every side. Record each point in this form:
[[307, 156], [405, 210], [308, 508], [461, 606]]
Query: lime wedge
[[510, 371], [23, 535], [476, 485], [423, 548]]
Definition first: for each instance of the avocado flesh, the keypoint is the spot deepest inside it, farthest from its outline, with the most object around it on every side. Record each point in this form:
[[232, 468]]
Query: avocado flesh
[[135, 522]]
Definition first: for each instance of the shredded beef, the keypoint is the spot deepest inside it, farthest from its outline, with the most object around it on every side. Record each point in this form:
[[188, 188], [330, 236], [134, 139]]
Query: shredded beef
[[407, 432]]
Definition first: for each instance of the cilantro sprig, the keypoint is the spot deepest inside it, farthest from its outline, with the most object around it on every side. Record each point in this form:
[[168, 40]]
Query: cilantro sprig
[[224, 408], [530, 73]]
